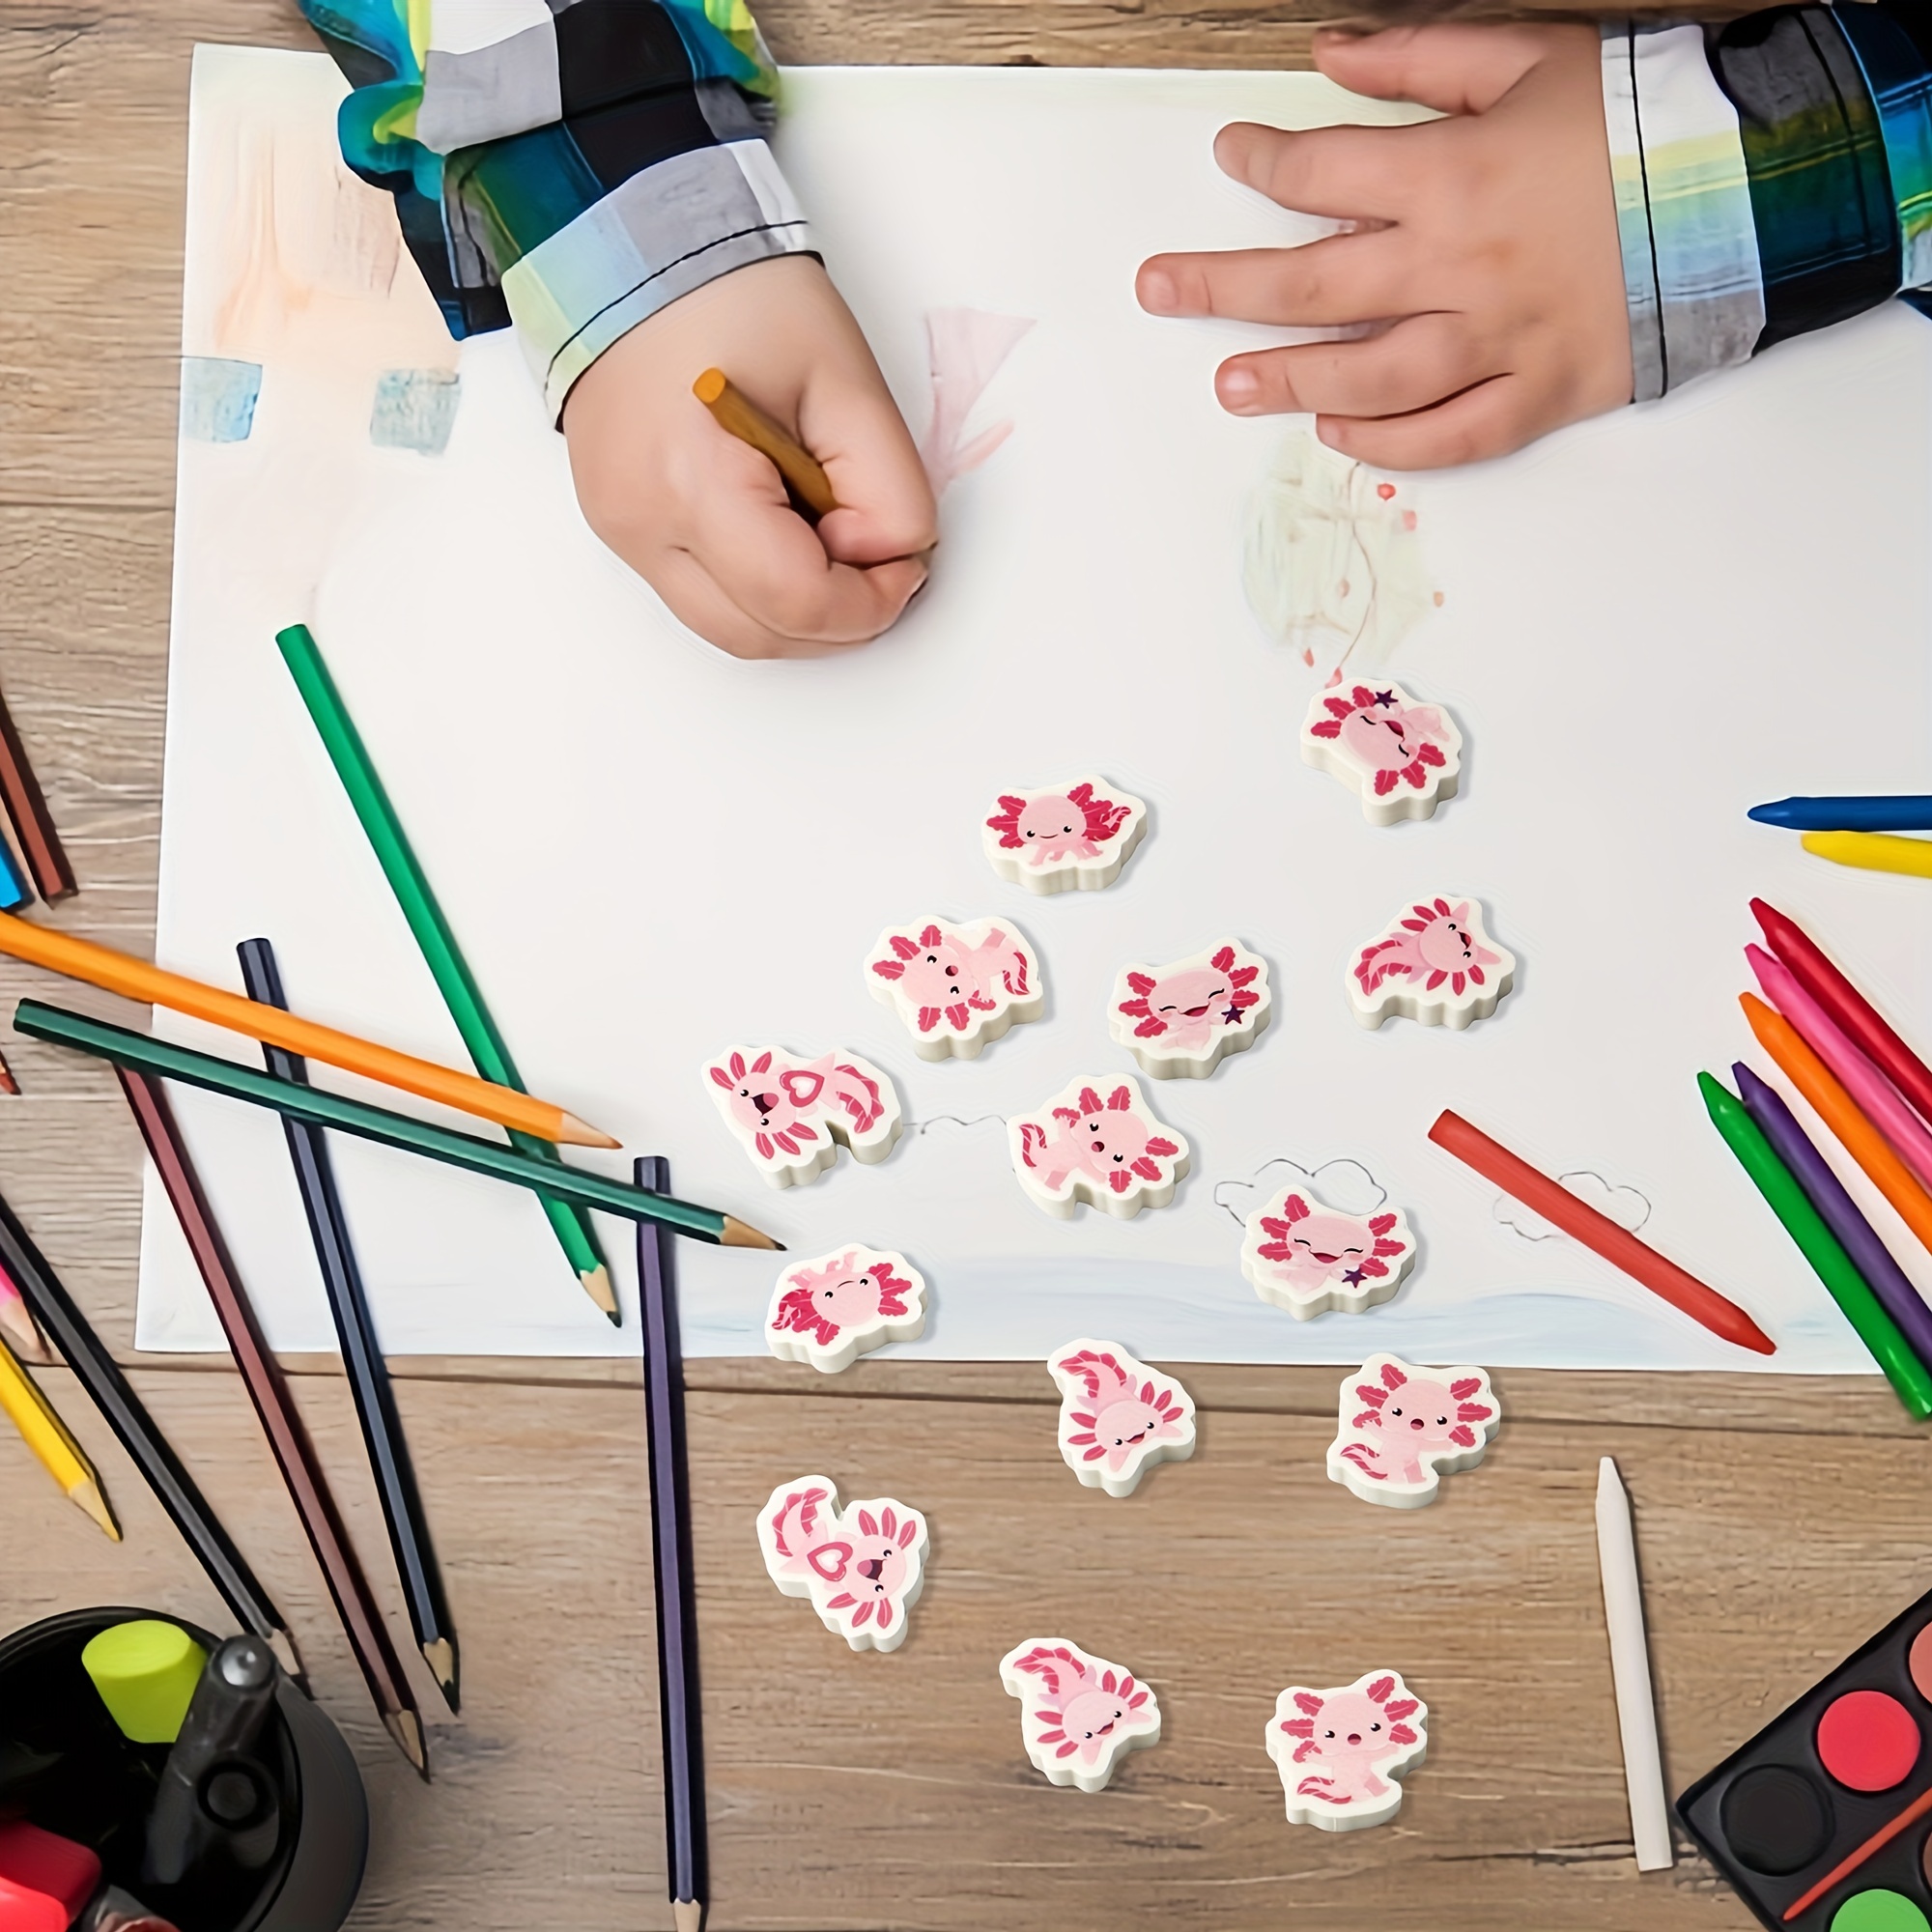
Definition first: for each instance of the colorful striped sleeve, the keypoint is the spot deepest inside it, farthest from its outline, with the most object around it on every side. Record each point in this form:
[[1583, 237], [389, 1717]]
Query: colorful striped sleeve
[[568, 167], [1770, 177]]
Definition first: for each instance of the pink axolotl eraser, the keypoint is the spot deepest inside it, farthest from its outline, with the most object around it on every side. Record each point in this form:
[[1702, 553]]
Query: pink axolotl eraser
[[1117, 1417], [957, 987], [791, 1115], [1400, 757], [1432, 963], [832, 1310], [1401, 1428], [863, 1566], [1340, 1752], [1067, 838], [1180, 1020], [1310, 1259], [1096, 1141], [1079, 1715]]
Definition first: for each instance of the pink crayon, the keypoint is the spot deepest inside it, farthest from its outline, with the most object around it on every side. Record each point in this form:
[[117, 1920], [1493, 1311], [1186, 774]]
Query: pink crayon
[[1876, 1097]]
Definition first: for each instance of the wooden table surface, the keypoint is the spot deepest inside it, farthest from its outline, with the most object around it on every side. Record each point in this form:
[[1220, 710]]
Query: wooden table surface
[[1780, 1521]]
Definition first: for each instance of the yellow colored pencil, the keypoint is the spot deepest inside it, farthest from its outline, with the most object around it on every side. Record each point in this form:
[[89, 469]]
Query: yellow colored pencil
[[154, 985], [1873, 851], [55, 1449]]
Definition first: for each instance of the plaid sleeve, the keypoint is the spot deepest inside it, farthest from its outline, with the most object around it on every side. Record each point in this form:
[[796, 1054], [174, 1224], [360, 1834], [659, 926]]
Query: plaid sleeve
[[1770, 177], [570, 166]]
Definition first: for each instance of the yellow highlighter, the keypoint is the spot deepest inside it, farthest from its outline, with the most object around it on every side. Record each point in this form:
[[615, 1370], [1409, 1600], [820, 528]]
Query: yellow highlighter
[[1875, 851], [55, 1449]]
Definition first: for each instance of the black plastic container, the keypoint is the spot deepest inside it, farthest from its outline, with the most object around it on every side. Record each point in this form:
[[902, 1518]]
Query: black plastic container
[[98, 1786]]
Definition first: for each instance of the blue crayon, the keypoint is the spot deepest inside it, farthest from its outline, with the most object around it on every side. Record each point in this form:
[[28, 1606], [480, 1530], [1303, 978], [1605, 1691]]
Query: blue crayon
[[1896, 812]]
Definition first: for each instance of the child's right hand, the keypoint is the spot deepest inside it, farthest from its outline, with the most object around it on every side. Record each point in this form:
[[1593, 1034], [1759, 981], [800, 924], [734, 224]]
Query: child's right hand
[[704, 517], [1486, 251]]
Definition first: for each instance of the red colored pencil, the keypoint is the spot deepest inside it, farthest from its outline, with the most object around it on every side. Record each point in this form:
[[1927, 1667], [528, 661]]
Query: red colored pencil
[[1599, 1233], [281, 1422], [1853, 1014]]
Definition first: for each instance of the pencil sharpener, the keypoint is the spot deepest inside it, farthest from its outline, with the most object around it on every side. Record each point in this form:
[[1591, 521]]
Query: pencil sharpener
[[65, 1766]]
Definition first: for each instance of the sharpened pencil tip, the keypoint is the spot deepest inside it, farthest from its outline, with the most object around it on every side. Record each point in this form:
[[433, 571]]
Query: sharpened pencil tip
[[20, 1333], [736, 1234], [406, 1727], [686, 1913], [86, 1495], [597, 1286], [440, 1653], [580, 1133]]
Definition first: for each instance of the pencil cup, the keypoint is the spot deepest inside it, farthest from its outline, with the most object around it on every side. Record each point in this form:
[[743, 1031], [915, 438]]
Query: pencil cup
[[67, 1766]]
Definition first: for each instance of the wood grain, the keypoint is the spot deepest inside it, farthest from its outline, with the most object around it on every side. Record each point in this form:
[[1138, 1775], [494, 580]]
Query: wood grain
[[1779, 1520]]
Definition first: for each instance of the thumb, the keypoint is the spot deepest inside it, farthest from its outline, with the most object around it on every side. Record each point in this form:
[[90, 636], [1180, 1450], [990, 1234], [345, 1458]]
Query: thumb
[[1454, 68]]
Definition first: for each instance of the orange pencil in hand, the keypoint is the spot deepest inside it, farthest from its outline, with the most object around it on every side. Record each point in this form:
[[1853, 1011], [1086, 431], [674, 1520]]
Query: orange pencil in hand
[[736, 413]]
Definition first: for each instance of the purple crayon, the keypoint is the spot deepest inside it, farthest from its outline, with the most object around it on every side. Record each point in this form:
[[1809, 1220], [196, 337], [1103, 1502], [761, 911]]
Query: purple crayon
[[1839, 1212]]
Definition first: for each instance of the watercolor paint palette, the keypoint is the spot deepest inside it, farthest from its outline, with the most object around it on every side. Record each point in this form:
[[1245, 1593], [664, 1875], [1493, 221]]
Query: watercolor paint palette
[[1823, 1822]]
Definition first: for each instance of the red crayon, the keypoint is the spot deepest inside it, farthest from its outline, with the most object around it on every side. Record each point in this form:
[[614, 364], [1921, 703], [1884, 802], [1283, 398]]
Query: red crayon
[[1855, 1015], [1599, 1233]]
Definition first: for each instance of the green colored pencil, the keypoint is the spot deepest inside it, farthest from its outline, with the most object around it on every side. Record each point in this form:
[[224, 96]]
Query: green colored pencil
[[440, 952], [1816, 1242], [317, 1104]]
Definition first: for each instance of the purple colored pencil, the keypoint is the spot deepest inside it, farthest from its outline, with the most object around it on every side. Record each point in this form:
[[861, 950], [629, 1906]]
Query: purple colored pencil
[[687, 1857], [1839, 1212]]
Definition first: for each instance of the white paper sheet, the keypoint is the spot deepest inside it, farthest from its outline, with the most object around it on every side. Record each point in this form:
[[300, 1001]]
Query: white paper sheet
[[649, 850]]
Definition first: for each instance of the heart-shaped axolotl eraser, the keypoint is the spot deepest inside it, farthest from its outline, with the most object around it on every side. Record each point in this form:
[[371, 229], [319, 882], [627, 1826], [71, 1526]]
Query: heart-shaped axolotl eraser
[[1401, 757], [1401, 1428], [1064, 838], [1079, 1715], [1117, 1418], [791, 1112], [832, 1310], [1098, 1141], [863, 1566], [1432, 963], [1340, 1752]]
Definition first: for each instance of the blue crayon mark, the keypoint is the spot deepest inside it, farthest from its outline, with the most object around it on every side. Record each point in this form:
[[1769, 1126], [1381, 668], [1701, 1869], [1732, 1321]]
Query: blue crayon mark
[[415, 409], [218, 398]]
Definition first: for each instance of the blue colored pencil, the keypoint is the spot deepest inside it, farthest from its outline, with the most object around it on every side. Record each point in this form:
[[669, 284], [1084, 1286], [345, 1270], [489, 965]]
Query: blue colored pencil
[[1898, 811], [14, 892]]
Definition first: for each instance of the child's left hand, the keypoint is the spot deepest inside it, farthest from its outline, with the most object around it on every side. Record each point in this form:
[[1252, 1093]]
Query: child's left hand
[[1487, 253]]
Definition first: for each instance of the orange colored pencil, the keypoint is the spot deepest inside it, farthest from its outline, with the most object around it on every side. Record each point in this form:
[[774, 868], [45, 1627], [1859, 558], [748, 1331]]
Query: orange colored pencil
[[1840, 1113], [136, 980]]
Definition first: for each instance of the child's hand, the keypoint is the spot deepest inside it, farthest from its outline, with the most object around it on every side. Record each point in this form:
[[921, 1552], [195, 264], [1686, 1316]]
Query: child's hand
[[704, 517], [1487, 250]]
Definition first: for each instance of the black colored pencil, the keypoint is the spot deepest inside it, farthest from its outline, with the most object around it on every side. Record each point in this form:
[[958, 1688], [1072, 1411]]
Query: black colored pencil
[[670, 1550], [288, 1438], [96, 1371], [361, 1350]]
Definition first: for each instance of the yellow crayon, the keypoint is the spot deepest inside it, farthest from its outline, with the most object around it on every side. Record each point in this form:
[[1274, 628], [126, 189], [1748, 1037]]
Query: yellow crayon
[[1875, 851]]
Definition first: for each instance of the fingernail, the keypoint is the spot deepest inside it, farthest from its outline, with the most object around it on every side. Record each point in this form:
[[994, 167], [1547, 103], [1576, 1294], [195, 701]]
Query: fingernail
[[1239, 388], [1158, 294]]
